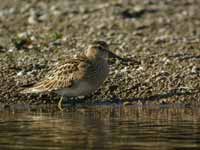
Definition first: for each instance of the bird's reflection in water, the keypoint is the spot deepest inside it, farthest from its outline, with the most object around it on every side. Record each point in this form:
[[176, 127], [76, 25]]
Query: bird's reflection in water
[[100, 127]]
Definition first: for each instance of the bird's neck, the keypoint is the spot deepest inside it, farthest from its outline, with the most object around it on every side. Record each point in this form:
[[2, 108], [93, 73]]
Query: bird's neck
[[99, 60], [95, 58]]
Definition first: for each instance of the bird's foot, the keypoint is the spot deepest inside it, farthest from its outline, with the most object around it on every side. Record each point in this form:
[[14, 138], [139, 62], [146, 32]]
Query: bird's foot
[[60, 104]]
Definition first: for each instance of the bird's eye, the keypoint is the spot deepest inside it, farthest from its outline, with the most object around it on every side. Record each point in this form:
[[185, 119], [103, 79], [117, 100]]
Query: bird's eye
[[101, 48]]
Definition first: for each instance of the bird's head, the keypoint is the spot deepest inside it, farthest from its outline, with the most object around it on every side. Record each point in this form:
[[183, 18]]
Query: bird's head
[[99, 49]]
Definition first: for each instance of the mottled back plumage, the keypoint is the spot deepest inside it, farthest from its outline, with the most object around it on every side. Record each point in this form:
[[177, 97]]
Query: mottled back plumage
[[62, 76]]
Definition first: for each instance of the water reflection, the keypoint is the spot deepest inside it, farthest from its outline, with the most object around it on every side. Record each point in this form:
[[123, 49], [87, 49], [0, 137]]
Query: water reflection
[[100, 127]]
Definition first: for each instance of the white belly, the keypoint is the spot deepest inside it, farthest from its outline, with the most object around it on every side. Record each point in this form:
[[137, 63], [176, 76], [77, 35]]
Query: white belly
[[81, 88]]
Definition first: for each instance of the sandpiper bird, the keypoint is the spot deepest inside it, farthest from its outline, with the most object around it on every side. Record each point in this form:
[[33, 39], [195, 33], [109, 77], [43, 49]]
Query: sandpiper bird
[[78, 76]]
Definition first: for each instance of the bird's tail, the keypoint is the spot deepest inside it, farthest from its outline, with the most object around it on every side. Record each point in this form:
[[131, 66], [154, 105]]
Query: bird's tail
[[32, 90], [38, 88]]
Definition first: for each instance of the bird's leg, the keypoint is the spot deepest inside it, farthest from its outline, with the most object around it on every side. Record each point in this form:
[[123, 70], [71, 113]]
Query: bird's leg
[[60, 103]]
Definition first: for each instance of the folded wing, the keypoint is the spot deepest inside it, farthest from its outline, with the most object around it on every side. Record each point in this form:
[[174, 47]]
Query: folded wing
[[61, 77]]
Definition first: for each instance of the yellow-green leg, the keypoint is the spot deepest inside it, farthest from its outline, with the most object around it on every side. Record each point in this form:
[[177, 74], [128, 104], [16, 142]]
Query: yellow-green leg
[[60, 103]]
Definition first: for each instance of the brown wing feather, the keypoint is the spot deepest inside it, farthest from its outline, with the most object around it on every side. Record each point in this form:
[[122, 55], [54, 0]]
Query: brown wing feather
[[62, 77]]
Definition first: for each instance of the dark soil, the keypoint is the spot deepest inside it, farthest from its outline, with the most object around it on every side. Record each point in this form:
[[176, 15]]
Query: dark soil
[[162, 37]]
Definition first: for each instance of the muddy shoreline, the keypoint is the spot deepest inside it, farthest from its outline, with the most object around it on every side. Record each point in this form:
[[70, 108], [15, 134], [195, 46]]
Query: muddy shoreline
[[163, 37]]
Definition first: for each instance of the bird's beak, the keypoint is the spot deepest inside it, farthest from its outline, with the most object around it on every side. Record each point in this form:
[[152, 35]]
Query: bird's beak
[[125, 61], [112, 55]]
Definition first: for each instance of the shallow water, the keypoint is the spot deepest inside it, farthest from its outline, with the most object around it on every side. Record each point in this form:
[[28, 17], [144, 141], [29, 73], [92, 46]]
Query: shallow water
[[100, 127]]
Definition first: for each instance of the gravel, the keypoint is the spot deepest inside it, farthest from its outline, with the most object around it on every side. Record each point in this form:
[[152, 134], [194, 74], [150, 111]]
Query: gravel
[[162, 38]]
